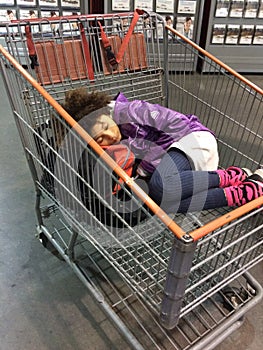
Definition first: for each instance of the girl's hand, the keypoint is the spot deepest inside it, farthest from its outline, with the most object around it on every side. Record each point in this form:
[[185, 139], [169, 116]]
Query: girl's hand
[[142, 173]]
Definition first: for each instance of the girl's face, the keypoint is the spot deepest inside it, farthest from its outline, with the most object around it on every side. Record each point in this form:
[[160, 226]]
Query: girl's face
[[106, 132]]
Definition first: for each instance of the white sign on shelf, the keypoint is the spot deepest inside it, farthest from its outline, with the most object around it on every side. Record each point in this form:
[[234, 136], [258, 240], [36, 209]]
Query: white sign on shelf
[[144, 4], [122, 5], [165, 6], [185, 6], [7, 2], [26, 2], [258, 36], [222, 8], [70, 3], [48, 3], [236, 8], [260, 10], [232, 34], [218, 35]]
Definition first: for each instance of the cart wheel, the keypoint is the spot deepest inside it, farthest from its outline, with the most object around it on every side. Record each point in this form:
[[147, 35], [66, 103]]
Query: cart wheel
[[49, 246], [233, 297]]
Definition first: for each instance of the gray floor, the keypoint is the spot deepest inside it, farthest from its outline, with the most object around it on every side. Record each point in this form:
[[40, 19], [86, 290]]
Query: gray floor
[[43, 305]]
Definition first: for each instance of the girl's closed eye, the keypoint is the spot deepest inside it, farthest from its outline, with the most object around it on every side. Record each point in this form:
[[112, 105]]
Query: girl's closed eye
[[104, 126]]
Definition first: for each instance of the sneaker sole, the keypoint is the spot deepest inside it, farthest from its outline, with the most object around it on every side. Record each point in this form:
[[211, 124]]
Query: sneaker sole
[[247, 171], [257, 176], [259, 172], [256, 179]]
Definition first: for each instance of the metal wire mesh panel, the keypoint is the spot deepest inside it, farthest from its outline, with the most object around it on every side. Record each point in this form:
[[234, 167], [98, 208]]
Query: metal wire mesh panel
[[74, 55], [233, 110], [225, 307]]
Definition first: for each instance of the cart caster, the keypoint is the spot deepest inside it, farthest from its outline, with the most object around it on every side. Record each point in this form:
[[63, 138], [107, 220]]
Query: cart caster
[[233, 297], [48, 245]]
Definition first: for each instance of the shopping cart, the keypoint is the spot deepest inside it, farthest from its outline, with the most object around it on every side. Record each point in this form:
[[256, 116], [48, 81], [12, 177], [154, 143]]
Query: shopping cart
[[167, 281]]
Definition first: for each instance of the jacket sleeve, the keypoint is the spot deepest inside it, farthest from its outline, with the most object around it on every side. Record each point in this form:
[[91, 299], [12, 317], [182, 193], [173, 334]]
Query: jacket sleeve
[[162, 119], [152, 128], [157, 128]]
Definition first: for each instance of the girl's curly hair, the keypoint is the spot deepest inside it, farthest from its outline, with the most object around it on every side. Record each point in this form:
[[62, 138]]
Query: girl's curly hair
[[80, 103]]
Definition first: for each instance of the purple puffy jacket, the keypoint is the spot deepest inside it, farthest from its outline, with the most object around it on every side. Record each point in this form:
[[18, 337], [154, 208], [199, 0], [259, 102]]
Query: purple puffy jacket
[[150, 129]]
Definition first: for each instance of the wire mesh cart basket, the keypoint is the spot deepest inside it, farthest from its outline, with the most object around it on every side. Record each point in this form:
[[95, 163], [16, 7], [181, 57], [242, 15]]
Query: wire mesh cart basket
[[168, 281]]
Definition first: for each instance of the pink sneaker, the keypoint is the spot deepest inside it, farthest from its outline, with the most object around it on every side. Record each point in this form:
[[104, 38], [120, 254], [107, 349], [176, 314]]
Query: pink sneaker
[[244, 193], [233, 176]]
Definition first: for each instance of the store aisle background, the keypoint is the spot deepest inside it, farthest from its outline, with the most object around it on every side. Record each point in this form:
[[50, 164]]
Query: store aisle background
[[43, 305]]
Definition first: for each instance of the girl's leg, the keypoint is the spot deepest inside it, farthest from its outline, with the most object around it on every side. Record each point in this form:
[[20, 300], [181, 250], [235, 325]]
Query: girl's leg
[[210, 199], [174, 180], [232, 196], [178, 188]]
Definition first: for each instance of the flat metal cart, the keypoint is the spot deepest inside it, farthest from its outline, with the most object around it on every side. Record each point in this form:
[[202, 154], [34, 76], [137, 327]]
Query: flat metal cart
[[167, 281]]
